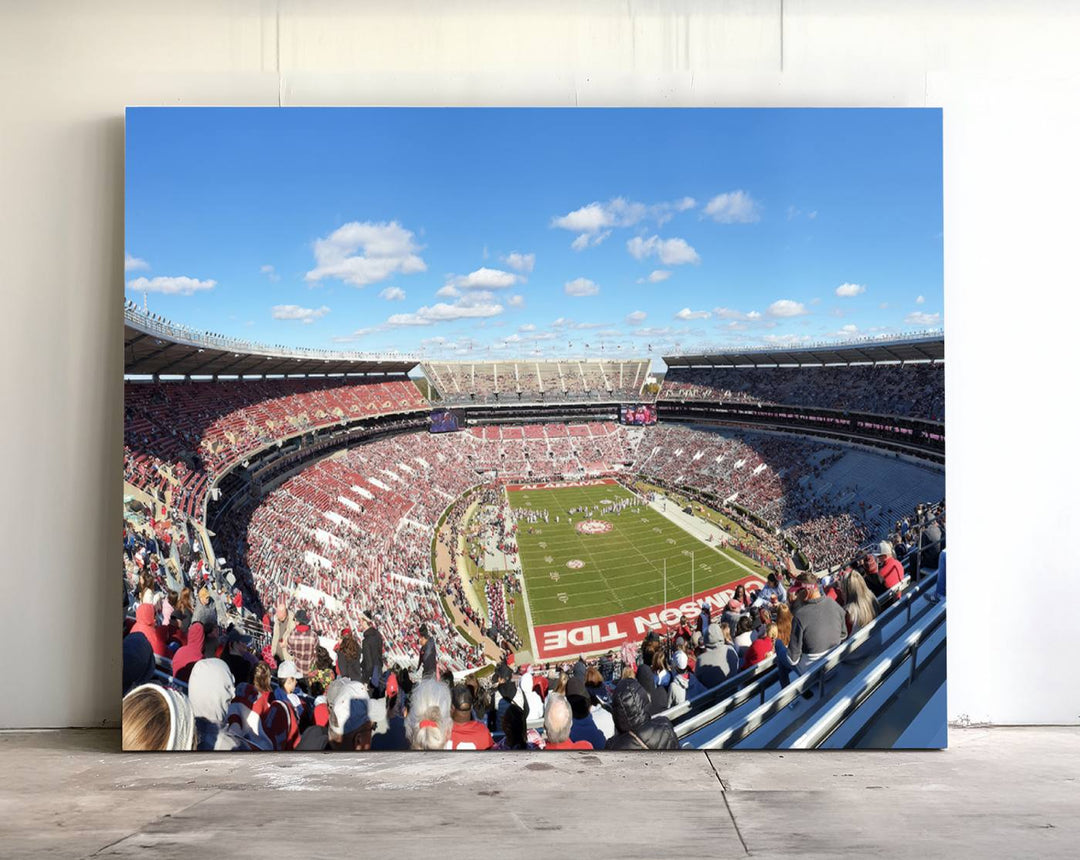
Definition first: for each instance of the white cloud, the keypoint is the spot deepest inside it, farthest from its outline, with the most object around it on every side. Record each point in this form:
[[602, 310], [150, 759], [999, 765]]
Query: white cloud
[[520, 262], [655, 276], [733, 207], [448, 292], [134, 264], [672, 252], [848, 330], [786, 308], [636, 317], [586, 239], [484, 279], [268, 270], [443, 312], [731, 314], [516, 301], [849, 290], [920, 300], [179, 286], [687, 314], [392, 294], [299, 314], [923, 319], [594, 222], [581, 287], [786, 339], [366, 253], [527, 327]]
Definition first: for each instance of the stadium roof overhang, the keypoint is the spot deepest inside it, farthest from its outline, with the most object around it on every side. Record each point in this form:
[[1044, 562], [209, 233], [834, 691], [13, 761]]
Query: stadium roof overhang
[[148, 352], [870, 351]]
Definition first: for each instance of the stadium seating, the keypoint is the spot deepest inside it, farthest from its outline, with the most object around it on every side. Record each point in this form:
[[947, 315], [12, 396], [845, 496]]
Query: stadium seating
[[180, 436], [915, 390], [537, 381]]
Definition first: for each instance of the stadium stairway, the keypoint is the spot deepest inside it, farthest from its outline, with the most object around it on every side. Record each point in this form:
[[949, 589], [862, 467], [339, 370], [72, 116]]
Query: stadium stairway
[[866, 693]]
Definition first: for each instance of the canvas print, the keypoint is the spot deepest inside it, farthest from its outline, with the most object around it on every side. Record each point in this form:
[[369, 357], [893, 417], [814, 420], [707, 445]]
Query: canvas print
[[545, 430]]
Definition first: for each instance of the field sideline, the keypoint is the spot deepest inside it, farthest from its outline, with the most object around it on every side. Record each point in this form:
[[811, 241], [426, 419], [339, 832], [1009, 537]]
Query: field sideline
[[623, 569]]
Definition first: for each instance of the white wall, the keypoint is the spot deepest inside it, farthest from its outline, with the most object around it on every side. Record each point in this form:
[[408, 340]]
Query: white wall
[[1004, 73]]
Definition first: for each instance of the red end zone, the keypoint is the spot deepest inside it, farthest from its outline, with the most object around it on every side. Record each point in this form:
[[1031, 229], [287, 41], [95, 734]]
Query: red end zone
[[569, 639], [558, 485]]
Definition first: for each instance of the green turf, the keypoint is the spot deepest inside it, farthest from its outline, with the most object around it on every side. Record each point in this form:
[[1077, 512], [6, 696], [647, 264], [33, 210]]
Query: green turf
[[623, 568]]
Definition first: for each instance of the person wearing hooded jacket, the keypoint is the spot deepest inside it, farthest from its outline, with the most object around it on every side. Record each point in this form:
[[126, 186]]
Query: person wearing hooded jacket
[[189, 654], [211, 688], [630, 706], [719, 661], [684, 683], [146, 624]]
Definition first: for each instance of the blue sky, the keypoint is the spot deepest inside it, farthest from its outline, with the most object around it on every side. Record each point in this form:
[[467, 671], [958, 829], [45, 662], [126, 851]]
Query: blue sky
[[520, 233]]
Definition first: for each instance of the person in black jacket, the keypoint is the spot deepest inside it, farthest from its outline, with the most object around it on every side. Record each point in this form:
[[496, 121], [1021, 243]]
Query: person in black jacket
[[630, 707], [371, 656], [427, 652]]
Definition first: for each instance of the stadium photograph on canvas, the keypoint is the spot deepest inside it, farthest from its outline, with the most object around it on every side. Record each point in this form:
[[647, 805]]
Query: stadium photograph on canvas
[[533, 429]]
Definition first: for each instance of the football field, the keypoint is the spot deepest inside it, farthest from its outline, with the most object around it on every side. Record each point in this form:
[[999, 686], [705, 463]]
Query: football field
[[617, 565]]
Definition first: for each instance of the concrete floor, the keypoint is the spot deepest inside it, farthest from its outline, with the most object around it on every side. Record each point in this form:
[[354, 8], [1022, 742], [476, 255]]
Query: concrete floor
[[995, 793]]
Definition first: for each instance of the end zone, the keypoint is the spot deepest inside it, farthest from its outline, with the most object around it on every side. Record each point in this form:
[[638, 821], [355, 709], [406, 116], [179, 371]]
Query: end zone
[[596, 635]]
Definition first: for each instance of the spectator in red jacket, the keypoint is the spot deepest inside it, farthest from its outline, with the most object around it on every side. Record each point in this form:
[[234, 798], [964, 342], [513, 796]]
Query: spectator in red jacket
[[467, 732], [190, 654], [761, 647], [146, 624], [891, 571]]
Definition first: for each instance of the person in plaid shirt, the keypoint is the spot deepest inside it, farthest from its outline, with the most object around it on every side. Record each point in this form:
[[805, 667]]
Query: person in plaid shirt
[[302, 642]]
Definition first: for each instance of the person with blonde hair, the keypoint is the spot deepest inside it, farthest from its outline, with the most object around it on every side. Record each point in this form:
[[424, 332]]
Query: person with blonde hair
[[428, 724], [157, 718], [859, 604]]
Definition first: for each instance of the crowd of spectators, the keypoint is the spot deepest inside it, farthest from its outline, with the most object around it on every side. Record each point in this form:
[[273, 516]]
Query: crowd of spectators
[[220, 693], [769, 476], [914, 390], [179, 436], [351, 534]]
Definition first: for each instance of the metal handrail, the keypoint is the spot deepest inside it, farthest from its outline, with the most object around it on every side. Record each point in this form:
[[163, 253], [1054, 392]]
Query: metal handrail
[[816, 673], [838, 655], [855, 692], [152, 324]]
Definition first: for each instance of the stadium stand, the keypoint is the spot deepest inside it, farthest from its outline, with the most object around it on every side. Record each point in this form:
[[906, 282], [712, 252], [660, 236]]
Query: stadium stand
[[899, 376], [910, 390], [523, 381]]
